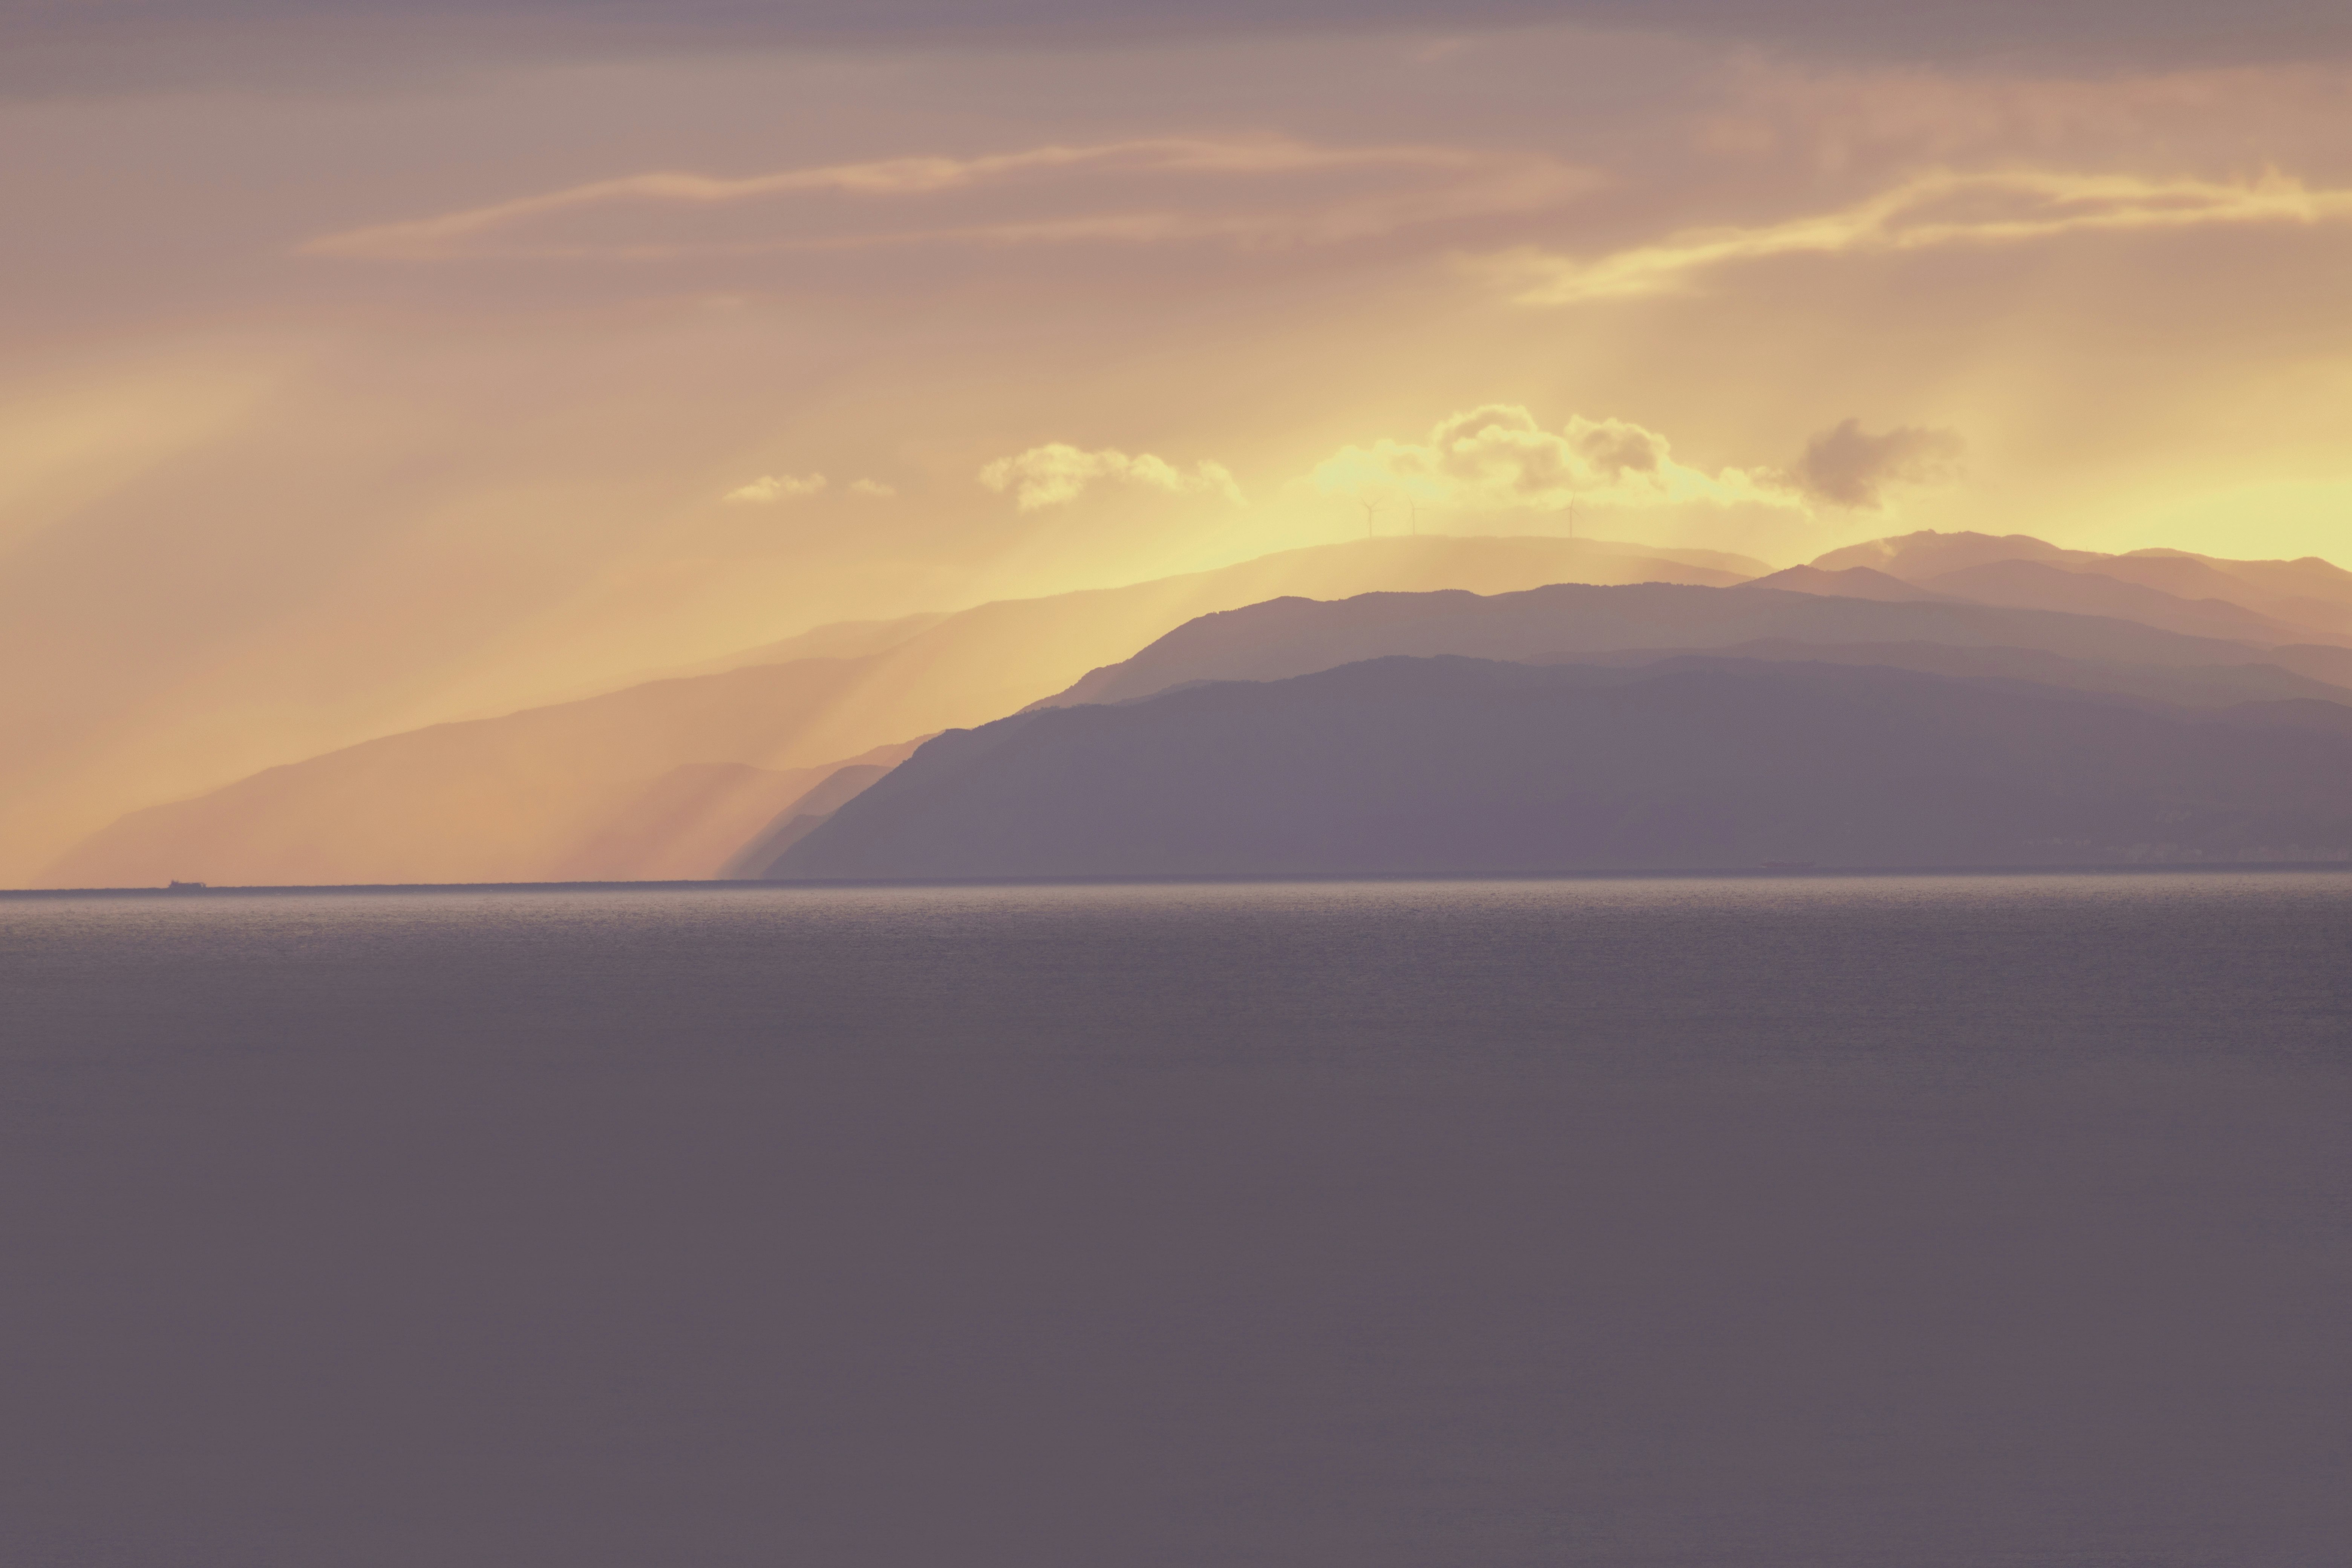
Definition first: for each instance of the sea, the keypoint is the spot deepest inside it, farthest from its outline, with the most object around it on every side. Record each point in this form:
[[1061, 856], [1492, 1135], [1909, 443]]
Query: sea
[[1939, 1221]]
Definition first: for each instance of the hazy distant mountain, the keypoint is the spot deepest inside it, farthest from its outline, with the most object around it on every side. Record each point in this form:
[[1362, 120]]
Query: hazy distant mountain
[[1295, 636], [1450, 765], [2038, 586], [704, 773], [699, 817], [1912, 557], [756, 857], [555, 794], [2308, 593], [2310, 598], [837, 639], [2308, 581], [1844, 583], [575, 788]]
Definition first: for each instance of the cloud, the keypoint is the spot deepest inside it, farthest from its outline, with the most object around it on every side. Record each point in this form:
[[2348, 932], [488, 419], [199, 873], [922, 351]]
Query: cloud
[[1056, 474], [872, 490], [1261, 193], [777, 487], [1498, 458], [1932, 210], [1852, 467]]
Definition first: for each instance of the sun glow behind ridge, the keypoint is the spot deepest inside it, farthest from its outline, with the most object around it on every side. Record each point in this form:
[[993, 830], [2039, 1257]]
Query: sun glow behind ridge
[[577, 366]]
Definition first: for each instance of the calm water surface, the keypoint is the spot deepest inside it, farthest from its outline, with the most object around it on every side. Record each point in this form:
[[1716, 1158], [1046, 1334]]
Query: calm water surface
[[1934, 1221]]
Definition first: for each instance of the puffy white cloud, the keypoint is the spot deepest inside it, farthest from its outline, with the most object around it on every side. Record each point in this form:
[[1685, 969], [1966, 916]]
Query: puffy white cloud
[[872, 490], [1498, 458], [1056, 473], [1933, 211], [777, 487], [1849, 465]]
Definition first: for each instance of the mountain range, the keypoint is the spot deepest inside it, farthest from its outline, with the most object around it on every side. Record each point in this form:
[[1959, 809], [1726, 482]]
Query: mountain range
[[1458, 766], [753, 764], [551, 794], [1289, 636]]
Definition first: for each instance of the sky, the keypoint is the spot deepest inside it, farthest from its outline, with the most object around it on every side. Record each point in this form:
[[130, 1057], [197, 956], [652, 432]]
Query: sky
[[372, 365]]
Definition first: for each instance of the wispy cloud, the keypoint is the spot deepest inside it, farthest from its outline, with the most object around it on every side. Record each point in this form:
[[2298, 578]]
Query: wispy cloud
[[1265, 192], [770, 488], [1056, 474], [1932, 210], [1499, 458], [872, 490]]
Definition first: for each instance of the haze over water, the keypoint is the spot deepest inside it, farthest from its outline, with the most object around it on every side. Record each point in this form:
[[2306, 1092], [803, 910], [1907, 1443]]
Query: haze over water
[[1805, 1221]]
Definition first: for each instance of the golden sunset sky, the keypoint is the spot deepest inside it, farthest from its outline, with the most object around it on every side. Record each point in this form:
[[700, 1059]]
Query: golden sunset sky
[[370, 366]]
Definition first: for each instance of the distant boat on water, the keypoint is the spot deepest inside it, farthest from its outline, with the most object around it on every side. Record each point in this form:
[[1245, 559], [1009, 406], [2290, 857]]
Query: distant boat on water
[[185, 887]]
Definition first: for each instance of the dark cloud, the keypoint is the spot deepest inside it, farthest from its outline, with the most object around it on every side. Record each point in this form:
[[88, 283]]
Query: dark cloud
[[68, 45], [1850, 467]]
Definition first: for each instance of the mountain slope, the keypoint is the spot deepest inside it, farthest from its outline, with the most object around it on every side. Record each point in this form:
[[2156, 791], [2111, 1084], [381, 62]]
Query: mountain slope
[[1297, 636], [2168, 686], [756, 856], [1844, 583], [2310, 598], [1448, 765], [2306, 580], [2085, 591], [2308, 593], [693, 819], [1914, 556], [528, 796]]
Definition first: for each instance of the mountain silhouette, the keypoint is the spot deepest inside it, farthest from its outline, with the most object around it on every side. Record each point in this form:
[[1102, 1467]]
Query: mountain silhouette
[[1928, 554], [1297, 636], [714, 769], [2310, 598], [1843, 583], [553, 793], [2163, 686], [560, 794], [757, 857], [1447, 765], [698, 817], [2038, 586]]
